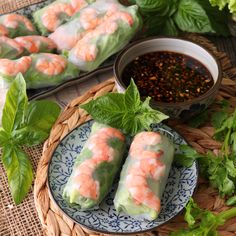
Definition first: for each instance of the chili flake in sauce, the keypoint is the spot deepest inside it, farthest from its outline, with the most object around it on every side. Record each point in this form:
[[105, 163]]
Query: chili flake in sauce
[[168, 76]]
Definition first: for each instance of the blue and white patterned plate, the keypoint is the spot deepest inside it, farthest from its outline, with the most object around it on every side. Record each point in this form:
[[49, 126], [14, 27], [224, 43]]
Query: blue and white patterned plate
[[180, 187]]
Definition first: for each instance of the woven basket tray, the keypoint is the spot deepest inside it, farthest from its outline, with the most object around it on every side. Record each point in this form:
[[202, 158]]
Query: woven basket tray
[[56, 223]]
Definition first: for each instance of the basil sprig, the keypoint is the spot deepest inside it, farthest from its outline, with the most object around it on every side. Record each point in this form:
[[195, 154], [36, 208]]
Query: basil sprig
[[23, 124], [124, 111]]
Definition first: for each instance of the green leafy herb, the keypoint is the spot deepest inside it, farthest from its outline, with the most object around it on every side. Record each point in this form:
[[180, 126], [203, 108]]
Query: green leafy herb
[[23, 123], [231, 201], [203, 222], [124, 111], [222, 3], [186, 157], [220, 169]]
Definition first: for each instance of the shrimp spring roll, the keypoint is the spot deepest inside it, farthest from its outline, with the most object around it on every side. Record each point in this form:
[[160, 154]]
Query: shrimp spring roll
[[39, 70], [55, 14], [67, 35], [95, 167], [111, 35], [144, 175], [36, 44], [13, 25], [9, 48]]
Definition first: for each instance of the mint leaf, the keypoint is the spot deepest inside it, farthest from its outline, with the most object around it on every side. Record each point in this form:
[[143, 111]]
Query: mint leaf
[[15, 105], [124, 111], [19, 171]]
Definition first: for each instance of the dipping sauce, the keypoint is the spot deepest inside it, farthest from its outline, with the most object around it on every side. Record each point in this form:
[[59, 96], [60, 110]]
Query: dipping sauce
[[168, 76]]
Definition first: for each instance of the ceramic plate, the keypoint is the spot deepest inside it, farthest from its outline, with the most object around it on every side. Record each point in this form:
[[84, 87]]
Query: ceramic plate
[[180, 187]]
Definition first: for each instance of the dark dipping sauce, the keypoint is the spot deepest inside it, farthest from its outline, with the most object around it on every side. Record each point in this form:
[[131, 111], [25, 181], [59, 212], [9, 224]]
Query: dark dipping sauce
[[168, 76]]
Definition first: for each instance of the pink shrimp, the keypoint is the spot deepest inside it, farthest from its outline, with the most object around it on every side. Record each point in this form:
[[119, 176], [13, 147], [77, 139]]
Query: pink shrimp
[[3, 30], [12, 43], [102, 152], [50, 18], [78, 4], [89, 18], [32, 43], [13, 67], [147, 165], [51, 64], [13, 21]]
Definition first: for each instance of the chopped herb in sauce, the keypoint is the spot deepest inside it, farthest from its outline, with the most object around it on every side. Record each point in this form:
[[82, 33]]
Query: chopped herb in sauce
[[168, 76]]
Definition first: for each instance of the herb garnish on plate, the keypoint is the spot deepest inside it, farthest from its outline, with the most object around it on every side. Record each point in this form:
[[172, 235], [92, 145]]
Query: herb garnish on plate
[[124, 111]]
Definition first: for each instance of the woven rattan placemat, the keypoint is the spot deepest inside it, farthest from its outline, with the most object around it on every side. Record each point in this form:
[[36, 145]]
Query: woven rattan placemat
[[56, 223]]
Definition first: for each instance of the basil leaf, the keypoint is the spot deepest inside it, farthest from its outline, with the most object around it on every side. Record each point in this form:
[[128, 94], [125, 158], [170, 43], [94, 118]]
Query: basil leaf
[[15, 105], [29, 136], [153, 5], [124, 111], [218, 19], [19, 171], [192, 17], [169, 28], [108, 109], [132, 97], [4, 137], [41, 115]]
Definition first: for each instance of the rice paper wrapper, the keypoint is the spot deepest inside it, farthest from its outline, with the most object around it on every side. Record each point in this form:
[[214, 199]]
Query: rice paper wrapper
[[103, 173], [58, 12], [36, 78], [124, 201], [14, 25], [106, 39]]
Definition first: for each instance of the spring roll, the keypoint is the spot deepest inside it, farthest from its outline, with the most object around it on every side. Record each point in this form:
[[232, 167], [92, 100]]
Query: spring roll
[[39, 70], [144, 175], [49, 18], [95, 167], [36, 44], [9, 48], [13, 25], [107, 38], [67, 35]]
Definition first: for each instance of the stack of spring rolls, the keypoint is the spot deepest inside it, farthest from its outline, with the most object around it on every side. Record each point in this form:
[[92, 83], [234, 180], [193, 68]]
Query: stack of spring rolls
[[142, 179], [84, 32]]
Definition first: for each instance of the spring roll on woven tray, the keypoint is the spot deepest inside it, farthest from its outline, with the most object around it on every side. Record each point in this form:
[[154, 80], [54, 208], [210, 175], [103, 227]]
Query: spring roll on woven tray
[[39, 70], [96, 167], [116, 29], [67, 35], [144, 175], [13, 25], [55, 14]]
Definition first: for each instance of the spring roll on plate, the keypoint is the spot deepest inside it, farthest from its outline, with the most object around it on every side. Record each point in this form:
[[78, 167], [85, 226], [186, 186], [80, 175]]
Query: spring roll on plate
[[144, 175], [95, 167]]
